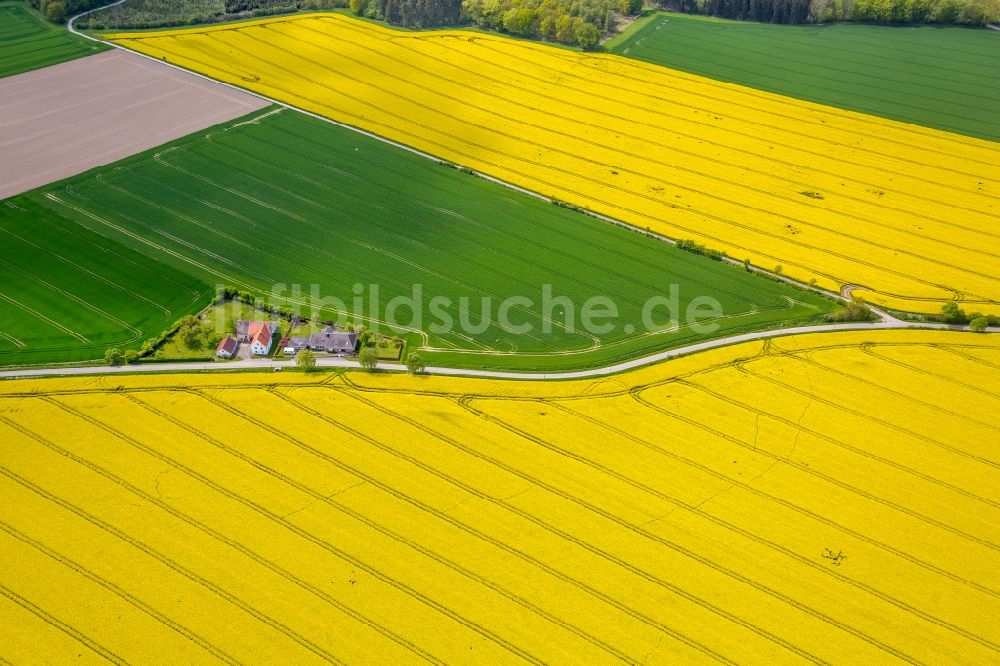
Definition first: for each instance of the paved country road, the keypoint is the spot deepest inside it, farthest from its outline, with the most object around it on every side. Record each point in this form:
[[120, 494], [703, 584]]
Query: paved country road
[[328, 362]]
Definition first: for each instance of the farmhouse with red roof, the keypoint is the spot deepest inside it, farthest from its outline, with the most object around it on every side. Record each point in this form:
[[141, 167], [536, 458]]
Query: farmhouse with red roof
[[227, 347], [260, 336]]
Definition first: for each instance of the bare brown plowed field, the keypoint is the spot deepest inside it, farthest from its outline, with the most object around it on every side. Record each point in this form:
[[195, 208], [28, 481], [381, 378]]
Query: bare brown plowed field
[[62, 120]]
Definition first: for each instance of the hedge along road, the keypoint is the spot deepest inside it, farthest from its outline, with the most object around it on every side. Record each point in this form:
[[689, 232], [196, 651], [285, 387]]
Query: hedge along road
[[333, 363]]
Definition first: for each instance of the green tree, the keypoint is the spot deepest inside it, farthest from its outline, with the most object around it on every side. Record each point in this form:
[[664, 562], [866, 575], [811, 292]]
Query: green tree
[[952, 314], [564, 29], [979, 324], [191, 331], [130, 356], [368, 358], [609, 22], [526, 22], [358, 7], [56, 12], [547, 26], [587, 35], [508, 20], [306, 360], [856, 310], [114, 356], [415, 364]]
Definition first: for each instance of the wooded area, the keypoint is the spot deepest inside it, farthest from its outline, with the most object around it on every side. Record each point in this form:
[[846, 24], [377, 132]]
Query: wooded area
[[959, 12]]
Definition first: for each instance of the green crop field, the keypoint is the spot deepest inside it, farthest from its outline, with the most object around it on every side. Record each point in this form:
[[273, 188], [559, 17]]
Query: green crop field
[[70, 293], [943, 77], [288, 199], [29, 42]]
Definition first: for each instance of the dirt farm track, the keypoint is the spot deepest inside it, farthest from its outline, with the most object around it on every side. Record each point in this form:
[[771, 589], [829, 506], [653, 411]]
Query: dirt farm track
[[62, 120]]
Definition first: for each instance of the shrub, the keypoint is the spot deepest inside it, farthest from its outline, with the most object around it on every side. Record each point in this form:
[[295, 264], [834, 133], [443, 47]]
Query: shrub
[[564, 29], [587, 36], [415, 364], [979, 324], [114, 356], [952, 314], [306, 360], [698, 248], [192, 332], [55, 12], [368, 358], [856, 310]]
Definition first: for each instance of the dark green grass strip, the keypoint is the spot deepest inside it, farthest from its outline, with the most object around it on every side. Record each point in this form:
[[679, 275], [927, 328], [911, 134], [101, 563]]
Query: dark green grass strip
[[942, 77]]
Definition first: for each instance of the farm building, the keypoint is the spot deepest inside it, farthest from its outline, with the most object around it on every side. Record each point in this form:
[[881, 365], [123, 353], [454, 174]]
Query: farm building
[[227, 347], [245, 328], [259, 336], [333, 341], [328, 340]]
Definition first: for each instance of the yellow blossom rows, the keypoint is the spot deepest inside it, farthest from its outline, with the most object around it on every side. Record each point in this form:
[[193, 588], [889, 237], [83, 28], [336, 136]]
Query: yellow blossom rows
[[827, 498], [908, 213]]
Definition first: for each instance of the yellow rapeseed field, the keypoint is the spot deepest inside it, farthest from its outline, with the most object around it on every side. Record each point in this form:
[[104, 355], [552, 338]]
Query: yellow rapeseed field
[[908, 213], [827, 498]]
